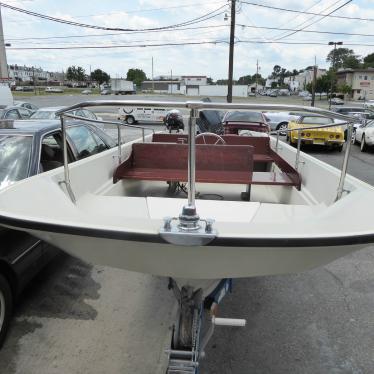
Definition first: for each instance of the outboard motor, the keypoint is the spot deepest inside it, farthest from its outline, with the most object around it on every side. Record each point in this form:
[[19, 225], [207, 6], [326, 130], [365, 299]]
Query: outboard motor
[[174, 121]]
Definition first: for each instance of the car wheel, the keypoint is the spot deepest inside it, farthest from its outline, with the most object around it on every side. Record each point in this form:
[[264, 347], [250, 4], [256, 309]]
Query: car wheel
[[282, 127], [5, 308], [340, 148], [364, 146], [130, 120]]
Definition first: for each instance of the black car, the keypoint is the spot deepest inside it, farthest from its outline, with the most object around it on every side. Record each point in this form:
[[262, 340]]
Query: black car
[[28, 148]]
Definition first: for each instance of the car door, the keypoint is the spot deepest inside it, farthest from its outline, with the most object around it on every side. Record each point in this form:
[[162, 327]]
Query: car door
[[359, 132], [24, 113]]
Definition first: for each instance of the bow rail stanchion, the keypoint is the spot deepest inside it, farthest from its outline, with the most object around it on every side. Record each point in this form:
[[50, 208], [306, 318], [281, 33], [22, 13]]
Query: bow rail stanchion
[[188, 228], [66, 180], [343, 173], [64, 113]]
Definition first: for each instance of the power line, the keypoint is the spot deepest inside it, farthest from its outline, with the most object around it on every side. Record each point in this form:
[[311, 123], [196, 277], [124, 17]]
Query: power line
[[318, 20], [115, 34], [305, 12], [73, 23], [151, 9], [299, 15], [214, 42], [118, 46], [299, 25], [305, 31]]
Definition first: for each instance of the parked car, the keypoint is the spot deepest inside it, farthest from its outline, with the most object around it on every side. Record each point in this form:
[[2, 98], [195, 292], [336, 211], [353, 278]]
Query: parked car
[[15, 112], [106, 91], [54, 90], [48, 113], [28, 148], [86, 92], [348, 109], [337, 101], [369, 104], [328, 136], [307, 98], [304, 93], [364, 135], [24, 104], [237, 121], [279, 120]]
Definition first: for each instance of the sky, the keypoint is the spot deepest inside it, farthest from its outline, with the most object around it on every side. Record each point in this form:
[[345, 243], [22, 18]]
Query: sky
[[204, 59]]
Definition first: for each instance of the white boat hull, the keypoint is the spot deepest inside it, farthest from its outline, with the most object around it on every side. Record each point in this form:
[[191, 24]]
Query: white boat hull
[[195, 262], [281, 230]]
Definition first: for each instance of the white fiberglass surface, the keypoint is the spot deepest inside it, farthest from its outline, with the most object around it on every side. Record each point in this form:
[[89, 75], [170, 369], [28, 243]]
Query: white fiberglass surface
[[124, 207]]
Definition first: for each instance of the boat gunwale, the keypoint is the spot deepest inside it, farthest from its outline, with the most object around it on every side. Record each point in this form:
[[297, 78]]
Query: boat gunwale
[[217, 242]]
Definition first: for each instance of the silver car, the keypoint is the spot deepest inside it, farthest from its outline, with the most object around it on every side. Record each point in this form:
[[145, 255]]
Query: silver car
[[279, 120]]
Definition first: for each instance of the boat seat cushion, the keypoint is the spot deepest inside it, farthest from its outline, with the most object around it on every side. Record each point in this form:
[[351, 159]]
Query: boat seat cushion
[[169, 162]]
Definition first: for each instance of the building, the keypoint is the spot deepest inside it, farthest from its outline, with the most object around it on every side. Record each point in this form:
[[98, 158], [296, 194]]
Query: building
[[26, 74], [300, 81], [361, 81], [161, 86], [185, 84]]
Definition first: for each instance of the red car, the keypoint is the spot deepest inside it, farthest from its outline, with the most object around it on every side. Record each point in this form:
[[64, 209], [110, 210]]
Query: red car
[[234, 122]]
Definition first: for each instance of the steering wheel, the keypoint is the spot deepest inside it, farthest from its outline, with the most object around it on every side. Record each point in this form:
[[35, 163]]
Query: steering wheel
[[209, 135]]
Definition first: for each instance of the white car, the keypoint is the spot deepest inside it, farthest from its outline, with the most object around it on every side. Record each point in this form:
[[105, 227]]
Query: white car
[[364, 135], [48, 113], [369, 104], [54, 90]]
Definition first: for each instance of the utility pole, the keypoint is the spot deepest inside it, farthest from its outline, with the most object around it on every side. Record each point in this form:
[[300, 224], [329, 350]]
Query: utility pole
[[314, 81], [231, 51], [3, 61], [33, 79], [333, 69], [171, 80], [153, 82], [256, 77]]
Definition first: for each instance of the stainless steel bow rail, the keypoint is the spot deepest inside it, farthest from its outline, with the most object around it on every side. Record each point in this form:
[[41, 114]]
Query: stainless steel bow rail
[[188, 228], [119, 125]]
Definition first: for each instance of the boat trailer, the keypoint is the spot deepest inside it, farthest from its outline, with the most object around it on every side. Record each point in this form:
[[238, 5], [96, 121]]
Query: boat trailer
[[187, 345]]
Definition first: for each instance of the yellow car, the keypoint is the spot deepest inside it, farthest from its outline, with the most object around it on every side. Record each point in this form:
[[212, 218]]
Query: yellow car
[[329, 136]]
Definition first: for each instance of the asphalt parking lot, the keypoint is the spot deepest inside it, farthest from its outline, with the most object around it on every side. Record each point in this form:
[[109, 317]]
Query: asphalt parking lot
[[77, 318]]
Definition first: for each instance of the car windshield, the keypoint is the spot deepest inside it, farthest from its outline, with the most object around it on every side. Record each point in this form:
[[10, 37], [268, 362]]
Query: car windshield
[[43, 114], [311, 120], [244, 117], [15, 154]]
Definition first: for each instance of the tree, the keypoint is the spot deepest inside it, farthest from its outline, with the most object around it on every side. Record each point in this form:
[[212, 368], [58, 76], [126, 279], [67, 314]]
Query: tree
[[136, 75], [276, 70], [343, 58], [246, 79], [209, 80], [323, 83], [76, 73], [369, 61], [345, 88], [261, 81], [100, 76]]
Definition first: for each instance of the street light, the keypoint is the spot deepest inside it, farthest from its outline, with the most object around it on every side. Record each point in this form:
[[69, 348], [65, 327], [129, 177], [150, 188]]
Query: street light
[[333, 67]]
